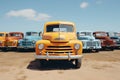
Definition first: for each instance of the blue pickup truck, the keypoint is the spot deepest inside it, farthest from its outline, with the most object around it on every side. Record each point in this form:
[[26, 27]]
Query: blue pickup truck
[[28, 42], [89, 41]]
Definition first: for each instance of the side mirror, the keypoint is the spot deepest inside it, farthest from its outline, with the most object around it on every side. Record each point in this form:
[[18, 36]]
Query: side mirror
[[40, 34]]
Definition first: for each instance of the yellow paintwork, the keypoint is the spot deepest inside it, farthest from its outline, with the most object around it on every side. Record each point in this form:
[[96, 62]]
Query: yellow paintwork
[[3, 39], [48, 39]]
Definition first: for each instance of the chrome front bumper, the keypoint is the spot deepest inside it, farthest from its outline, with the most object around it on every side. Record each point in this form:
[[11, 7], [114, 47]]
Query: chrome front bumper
[[26, 47], [68, 57]]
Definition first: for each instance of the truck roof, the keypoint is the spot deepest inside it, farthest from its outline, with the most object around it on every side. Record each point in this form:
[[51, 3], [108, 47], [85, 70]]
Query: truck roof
[[16, 32], [4, 32], [59, 22]]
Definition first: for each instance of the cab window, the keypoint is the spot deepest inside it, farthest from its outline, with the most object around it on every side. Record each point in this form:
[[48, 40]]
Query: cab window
[[1, 34], [59, 28], [32, 34]]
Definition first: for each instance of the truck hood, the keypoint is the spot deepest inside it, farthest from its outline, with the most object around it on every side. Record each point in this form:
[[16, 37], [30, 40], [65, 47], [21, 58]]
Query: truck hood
[[14, 38], [59, 36], [32, 38], [2, 38]]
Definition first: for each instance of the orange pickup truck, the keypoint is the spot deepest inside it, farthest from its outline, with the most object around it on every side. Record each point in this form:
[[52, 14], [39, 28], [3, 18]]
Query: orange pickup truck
[[59, 42], [3, 40], [12, 40]]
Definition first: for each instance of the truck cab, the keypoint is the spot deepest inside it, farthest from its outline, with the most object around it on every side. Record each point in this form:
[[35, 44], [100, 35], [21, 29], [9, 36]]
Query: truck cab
[[106, 41], [13, 38], [28, 42], [3, 40], [59, 42]]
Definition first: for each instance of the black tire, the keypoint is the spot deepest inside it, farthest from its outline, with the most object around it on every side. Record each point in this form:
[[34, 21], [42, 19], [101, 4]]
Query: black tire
[[112, 48], [78, 63], [97, 50], [20, 50], [14, 49], [4, 49]]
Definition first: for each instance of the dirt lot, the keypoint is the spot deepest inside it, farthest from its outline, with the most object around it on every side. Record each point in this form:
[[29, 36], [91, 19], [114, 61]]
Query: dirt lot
[[104, 65]]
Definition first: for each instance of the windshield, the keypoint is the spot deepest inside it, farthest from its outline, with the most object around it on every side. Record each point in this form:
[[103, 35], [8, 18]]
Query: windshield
[[117, 34], [1, 35], [15, 35], [111, 34], [32, 34], [59, 28], [100, 34], [86, 33]]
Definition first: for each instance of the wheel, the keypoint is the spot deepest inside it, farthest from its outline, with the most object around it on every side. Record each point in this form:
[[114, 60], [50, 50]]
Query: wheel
[[18, 49], [78, 63], [4, 49], [112, 48], [97, 50], [14, 49]]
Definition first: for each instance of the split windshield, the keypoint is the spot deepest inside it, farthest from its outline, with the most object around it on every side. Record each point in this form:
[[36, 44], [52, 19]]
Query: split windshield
[[32, 34], [117, 34], [86, 33], [1, 35], [15, 35], [59, 28], [101, 34]]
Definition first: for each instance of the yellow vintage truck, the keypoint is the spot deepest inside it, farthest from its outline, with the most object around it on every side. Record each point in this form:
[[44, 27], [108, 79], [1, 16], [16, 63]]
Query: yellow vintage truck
[[12, 41], [59, 42], [3, 40]]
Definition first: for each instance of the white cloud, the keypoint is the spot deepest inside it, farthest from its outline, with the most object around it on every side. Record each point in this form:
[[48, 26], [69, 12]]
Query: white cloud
[[29, 14], [84, 5]]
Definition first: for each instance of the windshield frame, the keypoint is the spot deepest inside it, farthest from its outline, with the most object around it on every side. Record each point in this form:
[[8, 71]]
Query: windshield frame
[[2, 34], [32, 34], [101, 35], [11, 34], [60, 28]]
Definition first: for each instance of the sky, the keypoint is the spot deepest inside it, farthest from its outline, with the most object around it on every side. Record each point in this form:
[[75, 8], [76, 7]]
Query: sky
[[30, 15]]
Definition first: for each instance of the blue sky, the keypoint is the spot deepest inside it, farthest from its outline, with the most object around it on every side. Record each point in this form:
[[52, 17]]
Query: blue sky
[[30, 15]]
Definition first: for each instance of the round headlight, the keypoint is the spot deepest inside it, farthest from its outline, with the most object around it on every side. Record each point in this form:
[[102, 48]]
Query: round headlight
[[33, 42], [114, 41], [76, 46], [41, 46]]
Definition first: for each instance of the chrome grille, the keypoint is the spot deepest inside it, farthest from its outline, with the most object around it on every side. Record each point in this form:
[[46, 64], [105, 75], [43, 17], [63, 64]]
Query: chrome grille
[[28, 43], [10, 43], [59, 49], [90, 43]]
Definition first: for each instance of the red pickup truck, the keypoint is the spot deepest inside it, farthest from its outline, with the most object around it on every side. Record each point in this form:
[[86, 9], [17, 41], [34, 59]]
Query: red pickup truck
[[106, 42]]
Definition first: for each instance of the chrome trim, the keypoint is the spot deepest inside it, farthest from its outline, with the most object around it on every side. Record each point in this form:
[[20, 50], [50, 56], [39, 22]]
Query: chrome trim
[[68, 57], [24, 47]]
